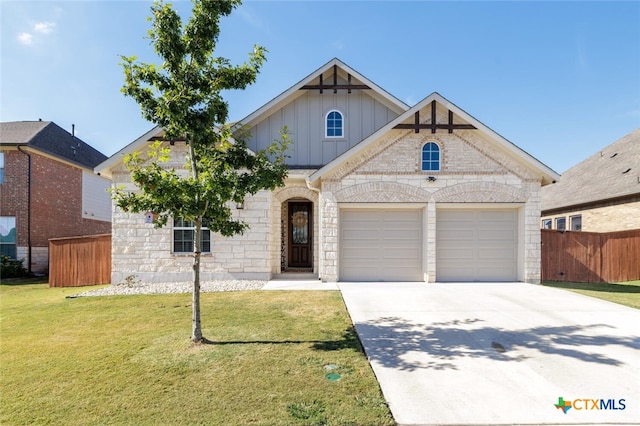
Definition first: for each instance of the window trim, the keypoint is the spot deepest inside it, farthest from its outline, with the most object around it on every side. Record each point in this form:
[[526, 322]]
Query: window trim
[[204, 230], [571, 219], [326, 125], [422, 160], [549, 221], [557, 219], [2, 167], [14, 243]]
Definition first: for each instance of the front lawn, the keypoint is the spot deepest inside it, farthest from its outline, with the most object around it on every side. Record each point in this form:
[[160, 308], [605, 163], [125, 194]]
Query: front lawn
[[128, 360], [627, 293]]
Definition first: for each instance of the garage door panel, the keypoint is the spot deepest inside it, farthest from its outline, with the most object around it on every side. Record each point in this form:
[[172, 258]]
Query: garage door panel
[[504, 255], [476, 245], [452, 254], [381, 245], [496, 235], [460, 234]]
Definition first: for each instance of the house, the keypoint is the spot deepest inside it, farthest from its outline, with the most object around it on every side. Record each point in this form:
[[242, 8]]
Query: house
[[600, 194], [47, 190], [377, 190]]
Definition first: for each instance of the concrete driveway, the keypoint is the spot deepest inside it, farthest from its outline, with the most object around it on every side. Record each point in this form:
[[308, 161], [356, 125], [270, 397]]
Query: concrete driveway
[[498, 353]]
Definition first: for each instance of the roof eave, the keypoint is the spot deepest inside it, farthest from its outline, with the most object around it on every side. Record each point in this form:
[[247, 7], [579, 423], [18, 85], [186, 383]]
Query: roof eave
[[104, 168], [294, 92]]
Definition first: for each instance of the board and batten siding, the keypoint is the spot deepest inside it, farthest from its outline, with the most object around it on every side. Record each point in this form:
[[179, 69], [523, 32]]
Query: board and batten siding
[[96, 202], [305, 119]]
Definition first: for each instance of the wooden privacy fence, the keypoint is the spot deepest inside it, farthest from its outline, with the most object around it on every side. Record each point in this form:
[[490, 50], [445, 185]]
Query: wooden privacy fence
[[78, 261], [590, 257]]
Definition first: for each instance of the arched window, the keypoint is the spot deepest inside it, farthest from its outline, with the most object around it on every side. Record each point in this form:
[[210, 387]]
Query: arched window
[[431, 157], [334, 124]]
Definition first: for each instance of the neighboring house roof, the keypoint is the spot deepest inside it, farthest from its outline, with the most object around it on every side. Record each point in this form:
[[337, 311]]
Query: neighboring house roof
[[612, 173], [547, 175], [49, 138]]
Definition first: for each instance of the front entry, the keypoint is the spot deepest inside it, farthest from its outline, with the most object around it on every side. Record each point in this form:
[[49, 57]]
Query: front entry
[[300, 235]]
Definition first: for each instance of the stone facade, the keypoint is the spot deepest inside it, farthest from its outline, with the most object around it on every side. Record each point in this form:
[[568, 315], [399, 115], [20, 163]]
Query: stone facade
[[479, 170], [389, 173]]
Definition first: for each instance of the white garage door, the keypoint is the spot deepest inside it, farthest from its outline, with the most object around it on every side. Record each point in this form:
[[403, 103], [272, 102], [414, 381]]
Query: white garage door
[[377, 245], [476, 245]]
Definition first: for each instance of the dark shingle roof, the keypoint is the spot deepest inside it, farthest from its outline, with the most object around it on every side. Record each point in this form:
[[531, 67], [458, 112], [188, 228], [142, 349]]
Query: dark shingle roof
[[611, 173], [48, 137]]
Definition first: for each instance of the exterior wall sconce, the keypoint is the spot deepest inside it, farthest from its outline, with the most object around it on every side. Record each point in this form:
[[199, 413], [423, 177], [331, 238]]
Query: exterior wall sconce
[[240, 206], [432, 178]]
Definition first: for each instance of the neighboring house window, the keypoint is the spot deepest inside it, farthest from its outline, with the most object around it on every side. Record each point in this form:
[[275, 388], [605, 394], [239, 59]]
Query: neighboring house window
[[431, 157], [1, 167], [576, 222], [184, 237], [546, 224], [335, 124], [8, 236], [561, 223]]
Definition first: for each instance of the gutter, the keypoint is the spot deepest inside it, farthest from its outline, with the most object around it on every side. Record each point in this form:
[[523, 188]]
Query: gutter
[[30, 256]]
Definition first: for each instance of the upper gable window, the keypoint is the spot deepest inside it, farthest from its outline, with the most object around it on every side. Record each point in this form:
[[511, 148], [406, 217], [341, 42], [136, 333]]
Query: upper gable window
[[334, 124], [431, 157]]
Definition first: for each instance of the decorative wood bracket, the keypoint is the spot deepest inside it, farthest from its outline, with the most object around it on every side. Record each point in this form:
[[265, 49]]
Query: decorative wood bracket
[[416, 126], [335, 86], [171, 141]]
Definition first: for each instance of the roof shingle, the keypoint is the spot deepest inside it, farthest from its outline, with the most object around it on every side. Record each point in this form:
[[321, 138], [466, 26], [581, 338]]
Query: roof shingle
[[50, 138], [611, 173]]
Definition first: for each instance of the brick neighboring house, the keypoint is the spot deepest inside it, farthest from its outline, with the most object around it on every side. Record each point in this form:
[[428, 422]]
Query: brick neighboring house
[[377, 191], [47, 190], [599, 194]]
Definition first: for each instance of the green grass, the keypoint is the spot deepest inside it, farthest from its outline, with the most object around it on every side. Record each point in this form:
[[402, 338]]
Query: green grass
[[627, 293], [127, 360]]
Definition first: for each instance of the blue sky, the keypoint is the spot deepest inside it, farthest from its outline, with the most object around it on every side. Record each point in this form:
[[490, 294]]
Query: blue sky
[[559, 79]]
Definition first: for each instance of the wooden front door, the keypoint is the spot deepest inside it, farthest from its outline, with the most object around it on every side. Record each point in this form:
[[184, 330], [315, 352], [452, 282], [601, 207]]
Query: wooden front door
[[300, 235]]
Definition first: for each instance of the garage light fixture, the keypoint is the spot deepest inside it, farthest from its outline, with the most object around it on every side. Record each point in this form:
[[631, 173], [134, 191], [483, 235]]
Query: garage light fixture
[[432, 178]]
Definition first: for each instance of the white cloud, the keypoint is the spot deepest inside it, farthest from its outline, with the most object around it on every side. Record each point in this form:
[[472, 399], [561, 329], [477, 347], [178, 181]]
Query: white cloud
[[39, 30], [25, 38], [44, 27]]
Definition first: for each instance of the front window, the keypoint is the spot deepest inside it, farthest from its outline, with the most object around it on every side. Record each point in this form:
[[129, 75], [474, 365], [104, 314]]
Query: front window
[[576, 222], [335, 124], [561, 223], [546, 224], [8, 236], [431, 157], [184, 236]]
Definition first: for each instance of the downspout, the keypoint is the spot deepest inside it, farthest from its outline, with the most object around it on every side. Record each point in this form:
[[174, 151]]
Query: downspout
[[314, 189], [30, 257]]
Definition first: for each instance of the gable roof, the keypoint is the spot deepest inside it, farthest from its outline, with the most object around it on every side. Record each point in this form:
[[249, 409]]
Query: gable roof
[[547, 175], [285, 97], [49, 138], [312, 79], [613, 172]]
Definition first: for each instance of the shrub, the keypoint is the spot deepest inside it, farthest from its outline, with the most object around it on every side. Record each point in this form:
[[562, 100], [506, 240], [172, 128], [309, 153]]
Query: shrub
[[11, 268]]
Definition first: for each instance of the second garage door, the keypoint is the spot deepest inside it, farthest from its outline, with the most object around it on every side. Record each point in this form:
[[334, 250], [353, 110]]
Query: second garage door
[[380, 245], [476, 245]]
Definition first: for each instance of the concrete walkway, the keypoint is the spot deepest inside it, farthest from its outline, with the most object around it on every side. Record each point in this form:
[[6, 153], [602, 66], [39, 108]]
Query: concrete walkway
[[296, 284], [498, 353]]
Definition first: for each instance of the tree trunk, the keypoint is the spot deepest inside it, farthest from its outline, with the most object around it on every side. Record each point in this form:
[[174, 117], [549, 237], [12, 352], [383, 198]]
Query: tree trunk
[[196, 326], [196, 334]]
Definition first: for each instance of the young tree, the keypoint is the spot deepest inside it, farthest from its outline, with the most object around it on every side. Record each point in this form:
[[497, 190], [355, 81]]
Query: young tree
[[183, 96]]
